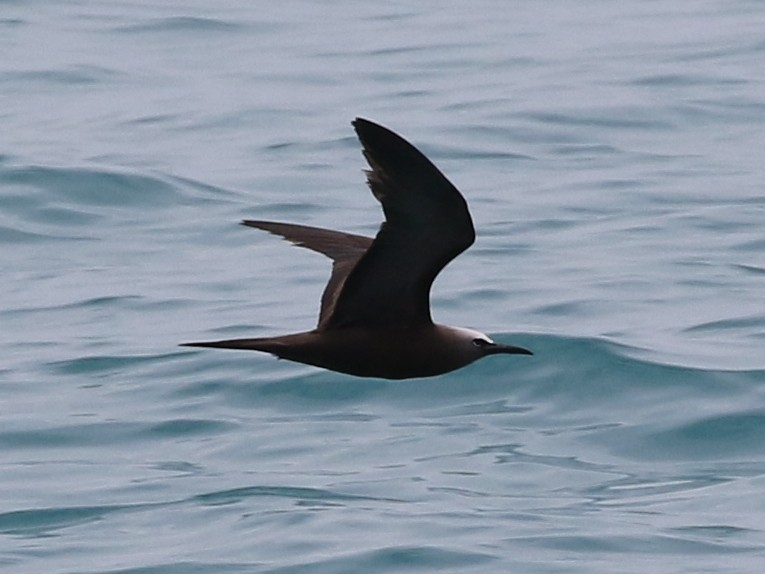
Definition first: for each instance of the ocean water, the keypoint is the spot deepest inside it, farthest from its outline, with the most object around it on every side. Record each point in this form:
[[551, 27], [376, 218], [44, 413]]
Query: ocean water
[[612, 156]]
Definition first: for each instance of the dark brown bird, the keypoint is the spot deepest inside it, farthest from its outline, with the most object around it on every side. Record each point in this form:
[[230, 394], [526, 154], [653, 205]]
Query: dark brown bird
[[375, 311]]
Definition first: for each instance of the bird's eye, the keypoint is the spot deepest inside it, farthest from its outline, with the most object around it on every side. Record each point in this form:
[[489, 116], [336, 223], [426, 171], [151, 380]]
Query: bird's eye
[[480, 343]]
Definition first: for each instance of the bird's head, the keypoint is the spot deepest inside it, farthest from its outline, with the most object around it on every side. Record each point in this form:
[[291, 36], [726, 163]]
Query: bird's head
[[476, 345]]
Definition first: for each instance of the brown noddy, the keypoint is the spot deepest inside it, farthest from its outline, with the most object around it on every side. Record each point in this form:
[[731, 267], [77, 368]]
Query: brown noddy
[[375, 311]]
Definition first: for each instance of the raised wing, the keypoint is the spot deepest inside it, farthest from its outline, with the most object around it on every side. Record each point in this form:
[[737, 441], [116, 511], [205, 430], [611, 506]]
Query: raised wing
[[427, 224]]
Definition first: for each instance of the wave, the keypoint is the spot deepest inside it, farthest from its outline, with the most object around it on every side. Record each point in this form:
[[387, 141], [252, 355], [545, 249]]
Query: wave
[[567, 370], [52, 203]]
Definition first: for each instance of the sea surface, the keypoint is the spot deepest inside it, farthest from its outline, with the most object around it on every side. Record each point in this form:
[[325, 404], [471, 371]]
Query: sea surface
[[613, 157]]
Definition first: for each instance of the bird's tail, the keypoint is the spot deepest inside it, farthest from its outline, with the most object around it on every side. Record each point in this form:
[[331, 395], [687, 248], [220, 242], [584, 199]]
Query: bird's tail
[[266, 344]]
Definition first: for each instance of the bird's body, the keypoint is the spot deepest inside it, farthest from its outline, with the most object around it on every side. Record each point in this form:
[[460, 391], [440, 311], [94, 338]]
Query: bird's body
[[375, 311], [392, 352]]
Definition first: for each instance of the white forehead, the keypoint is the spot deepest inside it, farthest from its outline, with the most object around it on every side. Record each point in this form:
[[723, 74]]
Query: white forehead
[[473, 334]]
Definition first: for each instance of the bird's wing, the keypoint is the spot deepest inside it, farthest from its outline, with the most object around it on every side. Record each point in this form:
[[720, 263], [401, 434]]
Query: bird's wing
[[344, 249], [427, 224]]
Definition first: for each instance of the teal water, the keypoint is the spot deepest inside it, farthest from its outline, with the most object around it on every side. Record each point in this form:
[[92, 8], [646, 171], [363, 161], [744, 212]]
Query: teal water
[[611, 154]]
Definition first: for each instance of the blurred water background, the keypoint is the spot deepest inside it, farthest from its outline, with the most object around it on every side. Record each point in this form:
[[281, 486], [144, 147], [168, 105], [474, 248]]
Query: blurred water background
[[612, 156]]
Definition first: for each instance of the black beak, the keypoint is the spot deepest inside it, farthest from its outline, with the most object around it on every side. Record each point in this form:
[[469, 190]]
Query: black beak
[[498, 348]]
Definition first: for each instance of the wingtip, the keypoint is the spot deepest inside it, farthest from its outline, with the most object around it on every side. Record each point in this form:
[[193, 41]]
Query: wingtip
[[364, 126], [260, 224]]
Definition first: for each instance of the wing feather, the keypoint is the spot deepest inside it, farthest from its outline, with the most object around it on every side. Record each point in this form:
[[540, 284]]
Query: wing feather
[[345, 249]]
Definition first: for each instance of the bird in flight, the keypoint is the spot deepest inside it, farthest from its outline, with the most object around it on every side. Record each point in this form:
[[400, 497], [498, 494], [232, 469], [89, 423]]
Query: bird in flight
[[375, 311]]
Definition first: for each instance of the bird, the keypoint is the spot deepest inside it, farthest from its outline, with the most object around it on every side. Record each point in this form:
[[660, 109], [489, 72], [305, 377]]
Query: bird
[[375, 319]]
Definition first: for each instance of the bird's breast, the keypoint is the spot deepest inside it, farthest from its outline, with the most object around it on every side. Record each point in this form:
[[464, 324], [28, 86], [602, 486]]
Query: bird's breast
[[383, 353]]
